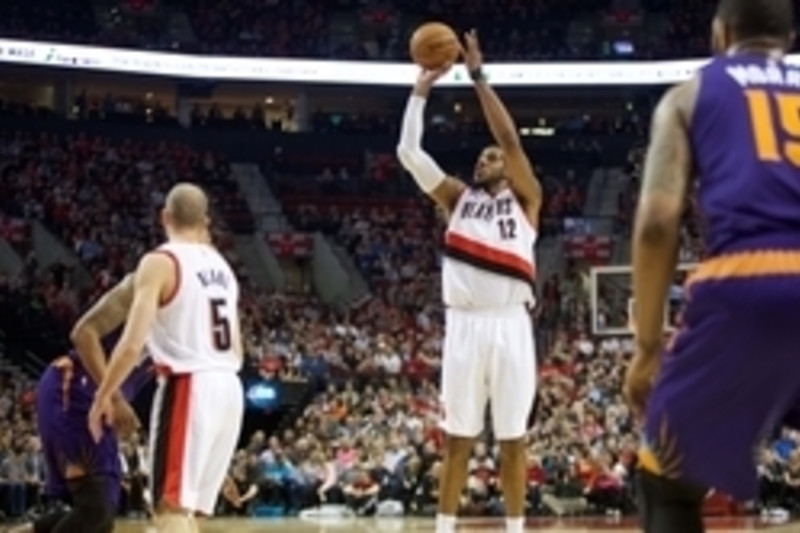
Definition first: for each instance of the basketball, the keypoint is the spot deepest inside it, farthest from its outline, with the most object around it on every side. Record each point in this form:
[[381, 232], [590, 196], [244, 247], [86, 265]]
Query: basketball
[[434, 45]]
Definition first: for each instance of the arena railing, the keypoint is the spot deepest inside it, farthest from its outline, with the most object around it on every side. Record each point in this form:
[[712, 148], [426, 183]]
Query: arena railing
[[223, 68]]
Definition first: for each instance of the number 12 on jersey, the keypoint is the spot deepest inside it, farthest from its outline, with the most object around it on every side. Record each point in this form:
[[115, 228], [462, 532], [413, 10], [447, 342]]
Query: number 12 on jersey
[[768, 129], [220, 325], [508, 228]]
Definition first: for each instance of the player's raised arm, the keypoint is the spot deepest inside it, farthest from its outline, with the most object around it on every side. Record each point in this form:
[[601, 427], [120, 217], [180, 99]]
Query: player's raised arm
[[154, 279], [521, 177], [106, 315], [445, 190]]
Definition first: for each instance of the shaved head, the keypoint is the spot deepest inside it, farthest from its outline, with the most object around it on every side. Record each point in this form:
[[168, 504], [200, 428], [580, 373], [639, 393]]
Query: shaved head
[[187, 206]]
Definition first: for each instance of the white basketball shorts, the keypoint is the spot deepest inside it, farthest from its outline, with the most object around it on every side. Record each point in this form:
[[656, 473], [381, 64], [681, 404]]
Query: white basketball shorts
[[194, 429], [489, 356]]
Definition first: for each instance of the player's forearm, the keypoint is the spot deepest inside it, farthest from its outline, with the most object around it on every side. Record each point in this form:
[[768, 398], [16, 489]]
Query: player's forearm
[[414, 159], [123, 361], [140, 319], [91, 353], [413, 125], [502, 126], [655, 255]]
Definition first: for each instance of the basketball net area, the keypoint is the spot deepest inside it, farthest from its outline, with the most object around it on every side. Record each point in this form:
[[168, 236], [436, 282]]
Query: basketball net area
[[611, 299]]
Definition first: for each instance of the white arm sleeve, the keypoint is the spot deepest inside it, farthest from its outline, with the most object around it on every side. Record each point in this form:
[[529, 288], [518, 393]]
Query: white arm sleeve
[[415, 160]]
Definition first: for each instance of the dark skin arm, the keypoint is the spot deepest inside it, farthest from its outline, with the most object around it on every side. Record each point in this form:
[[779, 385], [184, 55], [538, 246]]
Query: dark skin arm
[[106, 315], [154, 279], [656, 235], [519, 171]]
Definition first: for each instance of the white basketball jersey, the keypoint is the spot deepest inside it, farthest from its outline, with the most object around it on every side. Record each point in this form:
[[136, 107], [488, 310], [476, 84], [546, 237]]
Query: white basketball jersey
[[194, 329], [489, 252]]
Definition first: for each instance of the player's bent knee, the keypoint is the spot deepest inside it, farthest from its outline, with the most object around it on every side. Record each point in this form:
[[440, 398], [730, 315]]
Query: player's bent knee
[[513, 434], [46, 523], [459, 445], [513, 446], [92, 504]]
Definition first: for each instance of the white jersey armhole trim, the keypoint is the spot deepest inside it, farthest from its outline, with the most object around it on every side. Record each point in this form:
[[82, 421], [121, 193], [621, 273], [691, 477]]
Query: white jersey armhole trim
[[164, 302]]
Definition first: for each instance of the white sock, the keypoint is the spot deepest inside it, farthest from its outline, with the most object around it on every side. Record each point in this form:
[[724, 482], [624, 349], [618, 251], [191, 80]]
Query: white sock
[[445, 523], [515, 525]]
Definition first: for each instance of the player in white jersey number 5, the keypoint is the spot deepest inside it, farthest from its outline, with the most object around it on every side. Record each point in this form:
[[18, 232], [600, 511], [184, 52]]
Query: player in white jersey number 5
[[487, 280], [185, 310]]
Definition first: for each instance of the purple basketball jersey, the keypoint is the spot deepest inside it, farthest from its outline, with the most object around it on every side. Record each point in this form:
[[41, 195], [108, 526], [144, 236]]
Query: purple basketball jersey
[[745, 136], [730, 375], [63, 398]]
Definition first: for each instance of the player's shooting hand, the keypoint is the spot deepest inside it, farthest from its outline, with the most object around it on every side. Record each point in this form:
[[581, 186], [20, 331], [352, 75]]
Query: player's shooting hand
[[639, 380], [427, 78], [124, 418], [100, 415], [473, 58]]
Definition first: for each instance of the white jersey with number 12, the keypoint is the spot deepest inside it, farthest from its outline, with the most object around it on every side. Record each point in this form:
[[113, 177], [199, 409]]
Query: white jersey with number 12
[[488, 252]]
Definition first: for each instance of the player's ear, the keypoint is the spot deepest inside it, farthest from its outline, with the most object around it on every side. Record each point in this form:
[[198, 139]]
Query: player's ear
[[729, 38], [716, 36]]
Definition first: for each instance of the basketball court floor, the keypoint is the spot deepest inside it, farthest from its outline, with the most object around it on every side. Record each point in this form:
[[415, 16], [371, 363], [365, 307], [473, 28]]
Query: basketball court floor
[[426, 526]]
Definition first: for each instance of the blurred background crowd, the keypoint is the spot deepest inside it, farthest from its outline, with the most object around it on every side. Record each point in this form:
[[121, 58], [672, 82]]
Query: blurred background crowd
[[373, 29], [338, 253]]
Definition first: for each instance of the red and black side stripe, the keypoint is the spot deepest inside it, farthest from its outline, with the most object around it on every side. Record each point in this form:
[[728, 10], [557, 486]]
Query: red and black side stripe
[[170, 441], [534, 412], [487, 258]]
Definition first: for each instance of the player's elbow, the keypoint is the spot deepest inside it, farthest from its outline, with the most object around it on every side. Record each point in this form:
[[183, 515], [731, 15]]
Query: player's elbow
[[654, 229], [406, 155], [509, 141], [413, 158], [657, 219], [129, 349], [422, 168], [81, 333]]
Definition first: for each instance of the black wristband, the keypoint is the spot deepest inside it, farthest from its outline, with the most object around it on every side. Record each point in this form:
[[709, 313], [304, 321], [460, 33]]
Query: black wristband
[[477, 74]]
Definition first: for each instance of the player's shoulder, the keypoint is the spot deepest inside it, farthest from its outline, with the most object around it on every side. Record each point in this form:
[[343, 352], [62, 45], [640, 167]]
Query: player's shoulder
[[680, 100], [157, 265], [157, 256]]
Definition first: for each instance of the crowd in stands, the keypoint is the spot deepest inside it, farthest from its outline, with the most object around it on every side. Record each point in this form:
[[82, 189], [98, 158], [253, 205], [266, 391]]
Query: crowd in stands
[[364, 445], [369, 440], [691, 238], [512, 30], [21, 465], [102, 198]]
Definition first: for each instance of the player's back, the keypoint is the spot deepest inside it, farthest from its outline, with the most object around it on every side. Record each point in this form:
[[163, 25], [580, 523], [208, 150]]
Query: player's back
[[195, 326], [745, 135]]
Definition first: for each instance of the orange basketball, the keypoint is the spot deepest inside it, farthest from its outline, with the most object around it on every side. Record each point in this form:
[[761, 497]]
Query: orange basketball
[[434, 45]]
